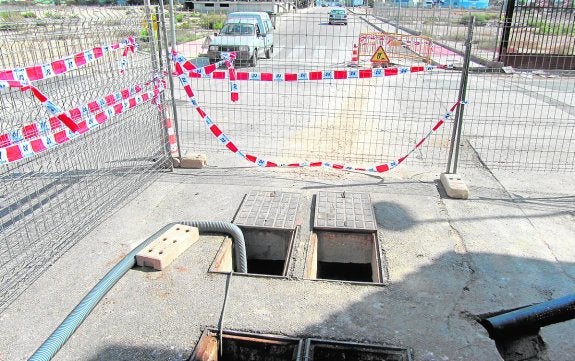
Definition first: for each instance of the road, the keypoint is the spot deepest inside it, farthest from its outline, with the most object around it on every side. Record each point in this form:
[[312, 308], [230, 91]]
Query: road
[[305, 41]]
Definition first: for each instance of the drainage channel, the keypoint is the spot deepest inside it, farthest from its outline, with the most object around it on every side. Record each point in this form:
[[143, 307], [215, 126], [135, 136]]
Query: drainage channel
[[327, 350], [244, 346], [268, 222], [344, 245]]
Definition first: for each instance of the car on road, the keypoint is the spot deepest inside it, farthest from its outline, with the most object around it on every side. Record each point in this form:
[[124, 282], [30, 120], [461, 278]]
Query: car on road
[[245, 38], [338, 16]]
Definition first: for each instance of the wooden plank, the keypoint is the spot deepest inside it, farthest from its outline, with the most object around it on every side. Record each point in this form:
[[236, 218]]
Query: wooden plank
[[164, 249], [311, 259], [224, 259]]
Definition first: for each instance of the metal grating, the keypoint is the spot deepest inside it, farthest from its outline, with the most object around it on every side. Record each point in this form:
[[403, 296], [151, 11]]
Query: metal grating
[[344, 211], [320, 350], [268, 210]]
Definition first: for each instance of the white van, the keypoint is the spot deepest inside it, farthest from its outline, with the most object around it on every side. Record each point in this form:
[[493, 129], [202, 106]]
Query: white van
[[265, 24], [242, 36], [262, 40]]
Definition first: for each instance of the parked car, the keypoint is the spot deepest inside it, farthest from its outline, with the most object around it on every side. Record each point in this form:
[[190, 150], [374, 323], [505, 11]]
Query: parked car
[[245, 38], [338, 16]]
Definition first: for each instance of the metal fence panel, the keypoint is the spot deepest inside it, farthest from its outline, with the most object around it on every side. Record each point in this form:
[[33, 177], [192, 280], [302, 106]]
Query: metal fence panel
[[521, 121], [447, 26], [517, 119], [539, 35], [49, 201], [366, 121]]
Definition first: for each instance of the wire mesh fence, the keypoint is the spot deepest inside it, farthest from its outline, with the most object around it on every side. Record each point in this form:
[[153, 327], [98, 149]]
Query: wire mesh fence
[[447, 26], [521, 121], [363, 121], [52, 199], [517, 119], [520, 115]]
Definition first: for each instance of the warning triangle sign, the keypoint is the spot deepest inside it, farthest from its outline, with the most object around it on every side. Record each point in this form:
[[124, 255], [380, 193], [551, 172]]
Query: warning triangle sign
[[379, 56]]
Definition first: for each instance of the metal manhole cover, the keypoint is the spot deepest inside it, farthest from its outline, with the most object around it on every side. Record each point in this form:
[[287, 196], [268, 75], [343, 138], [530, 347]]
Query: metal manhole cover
[[268, 210], [344, 211]]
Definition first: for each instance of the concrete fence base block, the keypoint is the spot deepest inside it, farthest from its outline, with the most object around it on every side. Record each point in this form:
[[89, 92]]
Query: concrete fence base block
[[193, 161], [167, 247], [454, 186]]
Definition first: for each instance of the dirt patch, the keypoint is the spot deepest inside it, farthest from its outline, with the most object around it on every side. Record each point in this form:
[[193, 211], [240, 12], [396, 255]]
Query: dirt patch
[[524, 348]]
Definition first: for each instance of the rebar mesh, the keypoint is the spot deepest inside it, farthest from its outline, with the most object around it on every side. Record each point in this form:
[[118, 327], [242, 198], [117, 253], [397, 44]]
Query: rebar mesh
[[49, 201]]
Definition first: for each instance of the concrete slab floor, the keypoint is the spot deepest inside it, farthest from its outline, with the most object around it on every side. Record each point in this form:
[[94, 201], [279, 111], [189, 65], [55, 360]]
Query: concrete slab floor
[[507, 245]]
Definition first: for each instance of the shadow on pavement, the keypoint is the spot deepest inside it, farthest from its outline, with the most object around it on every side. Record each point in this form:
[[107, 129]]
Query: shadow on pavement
[[434, 311]]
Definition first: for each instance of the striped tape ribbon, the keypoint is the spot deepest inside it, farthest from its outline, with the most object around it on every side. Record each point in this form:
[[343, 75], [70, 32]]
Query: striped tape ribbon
[[229, 144], [53, 108], [30, 147], [23, 77], [186, 66], [234, 76], [61, 66], [323, 75], [33, 130]]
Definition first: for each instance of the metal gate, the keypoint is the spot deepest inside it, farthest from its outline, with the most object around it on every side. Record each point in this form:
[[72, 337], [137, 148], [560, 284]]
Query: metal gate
[[539, 34]]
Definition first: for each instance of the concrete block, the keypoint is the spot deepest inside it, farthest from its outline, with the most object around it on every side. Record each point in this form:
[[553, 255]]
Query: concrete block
[[193, 161], [164, 249], [454, 186]]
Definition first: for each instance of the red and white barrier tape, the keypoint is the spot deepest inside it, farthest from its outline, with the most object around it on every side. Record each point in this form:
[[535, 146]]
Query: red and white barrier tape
[[186, 66], [23, 77], [49, 70], [228, 143], [114, 104], [172, 138], [29, 148], [234, 76], [33, 130], [234, 88], [325, 74], [53, 108]]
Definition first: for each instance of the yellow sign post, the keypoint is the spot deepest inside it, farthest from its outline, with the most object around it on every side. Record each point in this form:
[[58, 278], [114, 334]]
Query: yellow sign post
[[379, 56], [154, 23]]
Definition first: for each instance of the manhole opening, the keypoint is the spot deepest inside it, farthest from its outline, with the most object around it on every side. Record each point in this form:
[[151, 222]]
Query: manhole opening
[[320, 350], [268, 252], [344, 256], [239, 346]]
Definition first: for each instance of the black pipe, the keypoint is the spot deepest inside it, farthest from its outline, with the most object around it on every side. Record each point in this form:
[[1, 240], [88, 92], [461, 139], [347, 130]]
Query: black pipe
[[504, 44], [530, 318]]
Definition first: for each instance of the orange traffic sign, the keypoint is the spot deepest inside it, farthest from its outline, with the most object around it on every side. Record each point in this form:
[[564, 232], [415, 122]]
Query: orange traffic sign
[[379, 56]]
